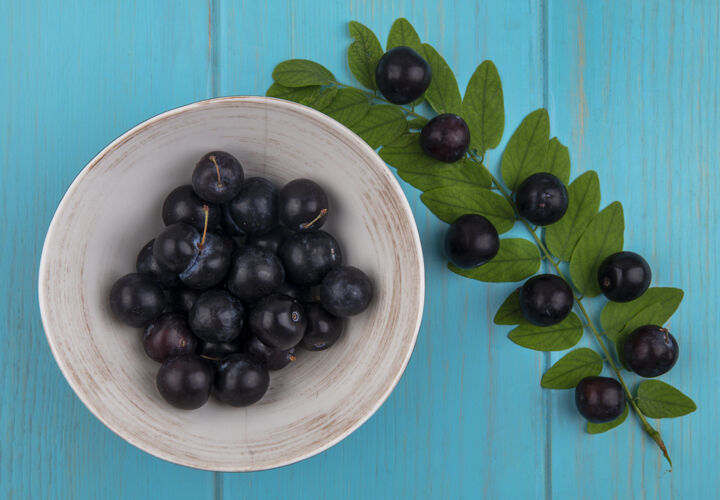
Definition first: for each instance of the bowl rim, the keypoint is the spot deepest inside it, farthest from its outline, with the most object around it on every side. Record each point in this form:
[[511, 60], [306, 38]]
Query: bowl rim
[[43, 276]]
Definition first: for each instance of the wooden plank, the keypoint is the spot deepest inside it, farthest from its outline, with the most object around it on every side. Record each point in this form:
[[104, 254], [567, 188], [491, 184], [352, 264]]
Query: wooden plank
[[75, 75], [467, 417], [633, 91]]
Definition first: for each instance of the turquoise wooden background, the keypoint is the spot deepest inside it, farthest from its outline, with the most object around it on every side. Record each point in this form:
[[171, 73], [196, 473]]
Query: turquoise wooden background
[[632, 87]]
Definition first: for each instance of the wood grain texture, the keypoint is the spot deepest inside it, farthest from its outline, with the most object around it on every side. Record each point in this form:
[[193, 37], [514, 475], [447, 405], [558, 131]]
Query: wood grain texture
[[632, 88]]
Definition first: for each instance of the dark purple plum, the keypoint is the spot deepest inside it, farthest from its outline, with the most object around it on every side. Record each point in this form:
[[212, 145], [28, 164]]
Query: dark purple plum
[[308, 256], [217, 316], [650, 351], [278, 321], [177, 246], [254, 209], [211, 264], [545, 300], [346, 291], [302, 205], [180, 299], [168, 336], [471, 240], [241, 380], [323, 329], [185, 381], [624, 276], [136, 299], [402, 75], [542, 199], [218, 177], [599, 399], [255, 273], [445, 138]]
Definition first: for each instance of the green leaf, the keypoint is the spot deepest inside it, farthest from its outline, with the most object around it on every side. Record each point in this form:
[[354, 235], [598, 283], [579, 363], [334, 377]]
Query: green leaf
[[583, 204], [509, 312], [526, 149], [295, 94], [301, 73], [647, 316], [606, 426], [483, 108], [381, 125], [402, 34], [402, 142], [426, 173], [429, 176], [417, 123], [615, 315], [449, 203], [572, 368], [364, 54], [603, 237], [516, 260], [323, 99], [349, 107], [443, 93], [558, 337], [657, 399], [557, 160]]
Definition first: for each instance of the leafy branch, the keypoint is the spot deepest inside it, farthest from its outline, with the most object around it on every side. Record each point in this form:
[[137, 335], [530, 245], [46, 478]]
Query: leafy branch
[[581, 239]]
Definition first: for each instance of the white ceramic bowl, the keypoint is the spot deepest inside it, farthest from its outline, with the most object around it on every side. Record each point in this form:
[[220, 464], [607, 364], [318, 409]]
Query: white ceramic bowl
[[113, 207]]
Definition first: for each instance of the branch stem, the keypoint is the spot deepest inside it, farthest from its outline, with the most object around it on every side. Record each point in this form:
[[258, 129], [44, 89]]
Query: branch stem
[[653, 433]]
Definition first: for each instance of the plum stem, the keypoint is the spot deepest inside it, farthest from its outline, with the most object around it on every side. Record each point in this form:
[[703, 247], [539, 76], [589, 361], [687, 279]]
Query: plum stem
[[206, 209], [217, 170], [319, 216]]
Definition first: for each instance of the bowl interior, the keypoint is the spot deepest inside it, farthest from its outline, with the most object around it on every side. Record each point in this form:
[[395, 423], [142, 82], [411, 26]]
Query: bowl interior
[[113, 208]]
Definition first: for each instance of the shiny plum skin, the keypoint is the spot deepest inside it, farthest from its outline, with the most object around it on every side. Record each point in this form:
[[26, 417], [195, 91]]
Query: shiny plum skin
[[471, 240], [624, 276], [445, 138], [545, 300], [542, 199], [185, 381], [402, 75], [599, 399], [241, 380], [346, 291], [302, 205], [136, 299], [205, 180]]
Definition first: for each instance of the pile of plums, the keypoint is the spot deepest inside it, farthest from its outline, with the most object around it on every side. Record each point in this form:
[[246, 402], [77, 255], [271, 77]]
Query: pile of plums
[[239, 279]]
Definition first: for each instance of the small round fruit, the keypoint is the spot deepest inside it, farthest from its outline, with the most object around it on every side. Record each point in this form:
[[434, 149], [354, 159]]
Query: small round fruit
[[346, 291], [272, 240], [278, 321], [275, 359], [651, 351], [471, 240], [255, 273], [402, 75], [180, 299], [211, 264], [220, 350], [302, 205], [323, 329], [183, 205], [136, 299], [217, 316], [168, 336], [218, 177], [176, 247], [146, 263], [545, 300], [254, 209], [185, 381], [624, 276], [446, 138], [542, 199], [307, 257], [241, 380], [599, 399]]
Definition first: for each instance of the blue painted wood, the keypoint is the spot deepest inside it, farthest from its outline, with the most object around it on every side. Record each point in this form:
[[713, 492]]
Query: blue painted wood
[[74, 76], [632, 89]]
